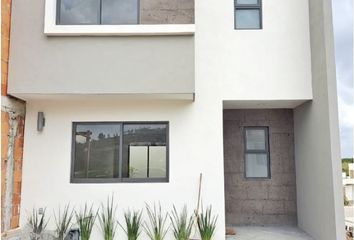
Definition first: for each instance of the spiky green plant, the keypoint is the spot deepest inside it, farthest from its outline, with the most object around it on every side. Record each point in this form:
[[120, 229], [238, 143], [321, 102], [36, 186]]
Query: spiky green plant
[[37, 223], [133, 224], [86, 220], [206, 224], [107, 220], [63, 221], [181, 224], [156, 229]]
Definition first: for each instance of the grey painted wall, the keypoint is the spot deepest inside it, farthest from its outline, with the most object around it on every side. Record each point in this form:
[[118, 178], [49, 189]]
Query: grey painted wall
[[53, 65], [260, 202], [166, 11], [318, 165]]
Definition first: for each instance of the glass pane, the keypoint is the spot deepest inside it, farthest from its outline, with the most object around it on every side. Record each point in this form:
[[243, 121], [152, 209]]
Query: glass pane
[[138, 161], [150, 138], [249, 2], [247, 18], [255, 139], [79, 12], [256, 165], [157, 163], [119, 11], [96, 151]]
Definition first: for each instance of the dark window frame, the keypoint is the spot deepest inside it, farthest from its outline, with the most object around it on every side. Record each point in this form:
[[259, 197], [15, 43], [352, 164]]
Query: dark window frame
[[254, 151], [257, 6], [57, 18], [120, 179]]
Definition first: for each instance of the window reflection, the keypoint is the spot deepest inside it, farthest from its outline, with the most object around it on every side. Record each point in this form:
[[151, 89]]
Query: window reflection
[[144, 151], [96, 151], [79, 12], [95, 12]]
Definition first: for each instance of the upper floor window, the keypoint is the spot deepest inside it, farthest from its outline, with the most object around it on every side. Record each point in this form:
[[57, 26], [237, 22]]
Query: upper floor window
[[120, 152], [257, 152], [97, 12], [248, 14]]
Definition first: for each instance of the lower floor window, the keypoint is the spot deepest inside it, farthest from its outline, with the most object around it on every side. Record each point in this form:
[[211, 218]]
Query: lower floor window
[[256, 152], [120, 152]]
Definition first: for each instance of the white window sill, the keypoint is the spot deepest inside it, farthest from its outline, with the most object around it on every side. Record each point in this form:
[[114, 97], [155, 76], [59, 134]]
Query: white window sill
[[119, 30]]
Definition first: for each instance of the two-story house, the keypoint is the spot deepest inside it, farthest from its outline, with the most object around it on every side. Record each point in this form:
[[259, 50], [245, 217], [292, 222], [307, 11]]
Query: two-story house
[[138, 97]]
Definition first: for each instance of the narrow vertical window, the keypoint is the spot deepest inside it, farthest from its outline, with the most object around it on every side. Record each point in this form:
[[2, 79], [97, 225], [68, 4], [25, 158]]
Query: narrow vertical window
[[248, 14], [256, 152]]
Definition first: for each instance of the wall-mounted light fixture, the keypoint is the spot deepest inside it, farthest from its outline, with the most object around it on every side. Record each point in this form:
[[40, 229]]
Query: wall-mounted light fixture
[[40, 121]]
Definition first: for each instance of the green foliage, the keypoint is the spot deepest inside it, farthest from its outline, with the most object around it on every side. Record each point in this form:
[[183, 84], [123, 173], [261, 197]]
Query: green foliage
[[345, 165], [86, 220], [206, 224], [107, 220], [157, 229], [37, 224], [133, 224], [346, 202], [63, 222], [181, 224]]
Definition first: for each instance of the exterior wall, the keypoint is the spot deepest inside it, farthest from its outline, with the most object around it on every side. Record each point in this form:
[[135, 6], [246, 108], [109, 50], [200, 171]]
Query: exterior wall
[[272, 64], [78, 65], [12, 128], [166, 11], [269, 64], [46, 169], [317, 154], [260, 202]]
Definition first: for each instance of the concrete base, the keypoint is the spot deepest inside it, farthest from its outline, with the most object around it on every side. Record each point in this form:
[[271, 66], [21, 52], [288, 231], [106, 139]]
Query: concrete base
[[268, 233]]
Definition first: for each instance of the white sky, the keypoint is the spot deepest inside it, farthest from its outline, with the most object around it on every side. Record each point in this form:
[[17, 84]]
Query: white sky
[[343, 36]]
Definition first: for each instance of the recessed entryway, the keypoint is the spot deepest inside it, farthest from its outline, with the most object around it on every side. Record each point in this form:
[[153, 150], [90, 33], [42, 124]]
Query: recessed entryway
[[259, 162]]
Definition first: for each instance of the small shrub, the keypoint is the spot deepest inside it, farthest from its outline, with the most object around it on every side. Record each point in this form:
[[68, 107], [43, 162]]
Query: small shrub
[[133, 224], [206, 224], [156, 229], [86, 220], [63, 222], [346, 201], [107, 221], [37, 224], [181, 224]]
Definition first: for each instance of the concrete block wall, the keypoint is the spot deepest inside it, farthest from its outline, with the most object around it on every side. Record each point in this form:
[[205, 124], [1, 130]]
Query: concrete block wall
[[166, 11], [260, 202]]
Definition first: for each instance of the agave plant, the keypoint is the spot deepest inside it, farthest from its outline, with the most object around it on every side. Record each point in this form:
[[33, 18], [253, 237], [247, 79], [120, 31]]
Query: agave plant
[[206, 224], [157, 229], [181, 224], [86, 220], [107, 220], [37, 223], [63, 221], [133, 224]]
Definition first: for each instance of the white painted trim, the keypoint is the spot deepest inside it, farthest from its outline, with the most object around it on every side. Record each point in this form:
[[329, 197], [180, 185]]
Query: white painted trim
[[51, 29]]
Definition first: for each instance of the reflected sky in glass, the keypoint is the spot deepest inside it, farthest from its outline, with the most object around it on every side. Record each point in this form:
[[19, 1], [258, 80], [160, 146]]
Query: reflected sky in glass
[[247, 18], [247, 1], [79, 12], [119, 11]]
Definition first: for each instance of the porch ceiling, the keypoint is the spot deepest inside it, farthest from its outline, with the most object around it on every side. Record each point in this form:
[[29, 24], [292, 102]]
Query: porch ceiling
[[259, 104]]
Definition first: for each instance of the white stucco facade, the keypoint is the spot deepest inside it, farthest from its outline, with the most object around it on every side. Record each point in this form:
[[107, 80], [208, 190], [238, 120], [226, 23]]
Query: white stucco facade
[[46, 176], [267, 68]]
